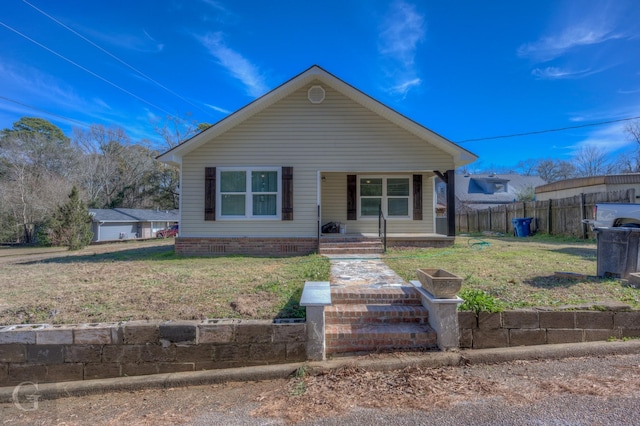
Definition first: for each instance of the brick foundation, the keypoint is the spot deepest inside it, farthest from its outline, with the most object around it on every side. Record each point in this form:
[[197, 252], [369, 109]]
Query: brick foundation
[[431, 242], [42, 353], [528, 327], [245, 246]]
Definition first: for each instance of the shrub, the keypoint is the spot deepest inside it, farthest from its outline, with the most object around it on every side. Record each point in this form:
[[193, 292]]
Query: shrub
[[70, 225], [479, 301]]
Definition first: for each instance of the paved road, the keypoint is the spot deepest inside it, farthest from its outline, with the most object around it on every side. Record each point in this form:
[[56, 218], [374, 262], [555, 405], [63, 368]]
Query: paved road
[[572, 391]]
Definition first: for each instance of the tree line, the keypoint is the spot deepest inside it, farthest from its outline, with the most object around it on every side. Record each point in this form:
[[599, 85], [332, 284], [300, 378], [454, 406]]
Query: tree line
[[40, 166]]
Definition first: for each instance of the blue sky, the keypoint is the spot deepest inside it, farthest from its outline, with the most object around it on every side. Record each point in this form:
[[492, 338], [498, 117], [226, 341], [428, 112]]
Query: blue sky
[[465, 69]]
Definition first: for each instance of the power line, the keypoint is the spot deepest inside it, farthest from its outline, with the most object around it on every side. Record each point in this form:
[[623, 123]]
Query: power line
[[45, 111], [87, 70], [116, 58], [537, 132]]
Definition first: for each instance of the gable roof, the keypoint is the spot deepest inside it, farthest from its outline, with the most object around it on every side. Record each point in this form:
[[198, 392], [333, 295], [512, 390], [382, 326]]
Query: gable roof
[[134, 215], [460, 155]]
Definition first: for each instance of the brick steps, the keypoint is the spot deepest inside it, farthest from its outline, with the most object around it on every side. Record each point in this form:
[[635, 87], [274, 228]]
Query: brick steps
[[377, 314], [396, 295], [351, 338], [364, 319]]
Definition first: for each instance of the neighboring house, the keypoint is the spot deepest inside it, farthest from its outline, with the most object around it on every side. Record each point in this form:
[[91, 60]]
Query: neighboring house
[[476, 192], [586, 185], [312, 151], [124, 224]]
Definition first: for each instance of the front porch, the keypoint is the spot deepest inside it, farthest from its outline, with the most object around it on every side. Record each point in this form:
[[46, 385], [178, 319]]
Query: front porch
[[367, 212], [371, 243]]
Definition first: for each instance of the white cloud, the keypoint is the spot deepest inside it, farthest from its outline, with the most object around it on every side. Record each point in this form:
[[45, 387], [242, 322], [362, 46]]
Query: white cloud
[[404, 87], [215, 4], [401, 33], [218, 109], [239, 67], [554, 46], [31, 84], [628, 92], [143, 43], [555, 73], [609, 138]]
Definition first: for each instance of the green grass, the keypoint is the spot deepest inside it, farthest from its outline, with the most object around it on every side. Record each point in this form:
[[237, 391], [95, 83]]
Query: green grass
[[519, 272]]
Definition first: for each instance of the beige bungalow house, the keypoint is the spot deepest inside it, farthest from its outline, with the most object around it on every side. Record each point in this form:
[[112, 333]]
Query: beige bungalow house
[[313, 151]]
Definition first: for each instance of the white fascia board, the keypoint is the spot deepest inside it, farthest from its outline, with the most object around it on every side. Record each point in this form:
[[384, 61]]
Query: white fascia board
[[171, 158]]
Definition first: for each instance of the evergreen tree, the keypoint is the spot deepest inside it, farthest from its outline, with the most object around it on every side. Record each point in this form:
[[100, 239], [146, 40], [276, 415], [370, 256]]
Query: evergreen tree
[[70, 225]]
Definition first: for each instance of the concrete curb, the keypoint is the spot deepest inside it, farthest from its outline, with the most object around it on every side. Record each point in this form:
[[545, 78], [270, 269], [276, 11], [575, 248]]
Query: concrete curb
[[280, 371]]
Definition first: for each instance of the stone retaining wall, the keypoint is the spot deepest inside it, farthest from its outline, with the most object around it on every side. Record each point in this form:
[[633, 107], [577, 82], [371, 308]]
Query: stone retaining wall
[[529, 327], [46, 353]]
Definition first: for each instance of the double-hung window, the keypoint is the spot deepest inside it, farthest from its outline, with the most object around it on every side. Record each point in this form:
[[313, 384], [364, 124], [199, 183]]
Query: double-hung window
[[252, 193], [391, 194]]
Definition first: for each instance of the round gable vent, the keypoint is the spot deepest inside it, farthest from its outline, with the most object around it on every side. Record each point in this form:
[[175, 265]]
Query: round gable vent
[[315, 94]]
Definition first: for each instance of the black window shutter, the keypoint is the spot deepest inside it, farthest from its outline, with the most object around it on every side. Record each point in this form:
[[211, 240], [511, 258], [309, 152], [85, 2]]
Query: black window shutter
[[209, 193], [287, 193], [352, 197], [417, 197]]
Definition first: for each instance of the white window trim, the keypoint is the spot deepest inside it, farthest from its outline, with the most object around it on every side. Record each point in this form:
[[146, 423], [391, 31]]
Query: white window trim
[[385, 198], [248, 198]]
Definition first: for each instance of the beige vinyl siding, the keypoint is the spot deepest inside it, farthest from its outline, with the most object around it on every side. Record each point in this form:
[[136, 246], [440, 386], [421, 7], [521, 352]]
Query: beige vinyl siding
[[336, 135], [334, 195]]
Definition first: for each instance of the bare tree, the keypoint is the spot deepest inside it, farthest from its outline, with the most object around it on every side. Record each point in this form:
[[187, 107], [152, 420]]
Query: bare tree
[[175, 130], [628, 162], [592, 161], [527, 167], [633, 130], [114, 170], [553, 170], [32, 182]]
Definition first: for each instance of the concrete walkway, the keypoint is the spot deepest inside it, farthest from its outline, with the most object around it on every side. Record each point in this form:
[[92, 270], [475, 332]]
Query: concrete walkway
[[362, 270]]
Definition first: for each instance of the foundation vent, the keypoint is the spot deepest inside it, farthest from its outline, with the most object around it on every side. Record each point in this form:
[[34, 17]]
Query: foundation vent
[[217, 248], [289, 248], [316, 94]]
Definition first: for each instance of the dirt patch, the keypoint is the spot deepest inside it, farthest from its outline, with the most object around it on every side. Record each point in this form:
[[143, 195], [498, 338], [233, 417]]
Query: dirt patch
[[251, 305]]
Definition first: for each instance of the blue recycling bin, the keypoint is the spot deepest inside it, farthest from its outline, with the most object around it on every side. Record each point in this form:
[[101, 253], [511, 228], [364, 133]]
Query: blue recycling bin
[[522, 226]]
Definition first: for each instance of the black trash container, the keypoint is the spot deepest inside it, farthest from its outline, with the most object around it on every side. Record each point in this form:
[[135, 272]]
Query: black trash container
[[618, 251]]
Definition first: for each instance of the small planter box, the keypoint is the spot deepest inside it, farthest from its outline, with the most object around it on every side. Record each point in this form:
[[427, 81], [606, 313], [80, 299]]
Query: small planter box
[[440, 283]]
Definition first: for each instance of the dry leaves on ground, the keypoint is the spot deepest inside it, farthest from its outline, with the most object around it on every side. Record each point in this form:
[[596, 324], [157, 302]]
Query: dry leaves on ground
[[343, 389]]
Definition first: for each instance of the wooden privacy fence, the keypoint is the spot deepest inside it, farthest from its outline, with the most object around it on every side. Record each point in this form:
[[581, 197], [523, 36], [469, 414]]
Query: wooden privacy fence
[[556, 217]]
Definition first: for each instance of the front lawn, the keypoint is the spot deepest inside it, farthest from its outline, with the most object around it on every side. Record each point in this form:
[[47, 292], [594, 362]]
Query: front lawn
[[135, 280], [520, 271], [146, 280]]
